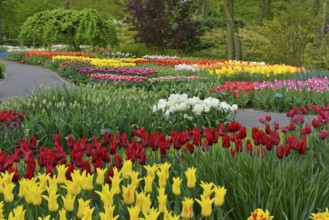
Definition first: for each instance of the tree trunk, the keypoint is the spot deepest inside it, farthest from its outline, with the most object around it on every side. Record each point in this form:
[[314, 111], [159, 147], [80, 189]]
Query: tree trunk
[[204, 10], [1, 35], [264, 10], [66, 4], [234, 50]]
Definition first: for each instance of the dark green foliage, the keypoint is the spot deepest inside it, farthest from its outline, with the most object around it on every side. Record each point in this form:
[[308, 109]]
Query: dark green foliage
[[68, 27], [2, 70]]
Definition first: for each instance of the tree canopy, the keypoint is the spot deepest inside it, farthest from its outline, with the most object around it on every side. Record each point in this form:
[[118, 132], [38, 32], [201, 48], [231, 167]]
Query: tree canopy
[[69, 27]]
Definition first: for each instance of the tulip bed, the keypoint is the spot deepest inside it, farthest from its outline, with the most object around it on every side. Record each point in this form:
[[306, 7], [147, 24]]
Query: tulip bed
[[156, 138]]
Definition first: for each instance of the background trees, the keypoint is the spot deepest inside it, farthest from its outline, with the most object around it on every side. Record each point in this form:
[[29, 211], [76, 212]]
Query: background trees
[[70, 27]]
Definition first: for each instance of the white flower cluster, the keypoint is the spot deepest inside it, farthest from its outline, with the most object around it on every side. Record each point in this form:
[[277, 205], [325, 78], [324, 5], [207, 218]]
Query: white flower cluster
[[186, 67], [160, 57], [181, 102]]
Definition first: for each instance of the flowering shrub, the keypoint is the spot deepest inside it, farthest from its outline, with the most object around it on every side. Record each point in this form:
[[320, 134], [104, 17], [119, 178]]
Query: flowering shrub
[[116, 78], [128, 71], [131, 195], [101, 62]]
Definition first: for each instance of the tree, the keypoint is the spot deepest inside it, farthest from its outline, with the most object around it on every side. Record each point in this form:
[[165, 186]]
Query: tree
[[234, 50], [264, 10], [68, 27], [164, 23]]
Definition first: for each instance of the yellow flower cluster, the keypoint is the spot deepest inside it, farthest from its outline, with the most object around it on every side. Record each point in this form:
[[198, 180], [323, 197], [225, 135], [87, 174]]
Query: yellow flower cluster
[[122, 62], [321, 215], [127, 188], [234, 67], [259, 214]]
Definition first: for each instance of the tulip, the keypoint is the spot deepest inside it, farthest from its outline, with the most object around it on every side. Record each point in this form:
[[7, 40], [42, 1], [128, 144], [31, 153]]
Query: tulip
[[133, 212], [62, 214], [108, 214], [1, 210], [220, 193], [148, 184], [45, 218], [152, 214], [126, 169], [206, 206], [207, 189], [17, 214], [68, 202], [52, 201], [168, 216], [260, 214], [151, 169], [146, 203], [187, 211], [82, 205], [61, 171], [162, 200], [134, 178], [100, 176], [139, 200], [176, 186], [162, 178], [128, 194], [88, 213], [7, 190], [191, 177]]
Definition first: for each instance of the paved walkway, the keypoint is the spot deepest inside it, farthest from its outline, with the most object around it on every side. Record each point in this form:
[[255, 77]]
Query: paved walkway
[[21, 79]]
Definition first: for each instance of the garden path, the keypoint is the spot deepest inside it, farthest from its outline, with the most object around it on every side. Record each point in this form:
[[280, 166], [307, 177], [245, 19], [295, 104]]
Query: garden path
[[21, 79]]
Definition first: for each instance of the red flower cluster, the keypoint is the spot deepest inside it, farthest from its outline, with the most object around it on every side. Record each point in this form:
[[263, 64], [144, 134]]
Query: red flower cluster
[[235, 87], [11, 118]]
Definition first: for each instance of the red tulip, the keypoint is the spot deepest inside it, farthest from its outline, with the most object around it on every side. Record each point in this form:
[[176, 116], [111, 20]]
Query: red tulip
[[118, 161]]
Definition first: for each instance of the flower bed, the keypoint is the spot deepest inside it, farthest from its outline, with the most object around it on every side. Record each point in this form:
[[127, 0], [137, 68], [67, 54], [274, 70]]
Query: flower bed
[[128, 71], [116, 78]]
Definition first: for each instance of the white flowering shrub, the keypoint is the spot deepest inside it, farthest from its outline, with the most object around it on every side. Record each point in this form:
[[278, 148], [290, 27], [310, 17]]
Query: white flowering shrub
[[210, 112]]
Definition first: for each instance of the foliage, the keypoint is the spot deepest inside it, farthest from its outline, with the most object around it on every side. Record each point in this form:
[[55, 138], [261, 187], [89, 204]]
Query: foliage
[[68, 27], [164, 24], [2, 70]]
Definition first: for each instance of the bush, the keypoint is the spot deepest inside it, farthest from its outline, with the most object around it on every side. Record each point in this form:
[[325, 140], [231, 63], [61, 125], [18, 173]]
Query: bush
[[2, 70]]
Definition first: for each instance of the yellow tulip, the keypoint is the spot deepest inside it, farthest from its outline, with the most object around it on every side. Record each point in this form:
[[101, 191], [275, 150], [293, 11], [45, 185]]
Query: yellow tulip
[[151, 169], [1, 210], [191, 177], [207, 189], [146, 203], [34, 194], [148, 183], [162, 178], [82, 205], [126, 169], [52, 201], [107, 195], [176, 185], [61, 170], [68, 202], [128, 194], [139, 200], [187, 211], [108, 214], [116, 180], [45, 218], [164, 167], [162, 200], [43, 179], [169, 216], [62, 214], [7, 190], [134, 178], [17, 214], [134, 213], [87, 181], [206, 206], [220, 193], [88, 213], [100, 176], [23, 187], [152, 214], [259, 214], [72, 187]]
